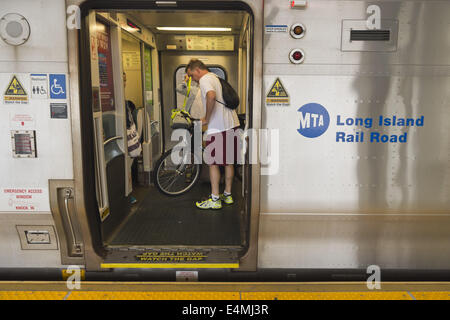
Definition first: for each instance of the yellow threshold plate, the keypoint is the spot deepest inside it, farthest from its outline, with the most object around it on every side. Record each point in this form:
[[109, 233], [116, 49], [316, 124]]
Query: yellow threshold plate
[[170, 265]]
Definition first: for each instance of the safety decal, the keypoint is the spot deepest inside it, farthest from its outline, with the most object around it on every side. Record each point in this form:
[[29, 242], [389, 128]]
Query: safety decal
[[15, 92], [277, 95], [104, 214], [172, 256]]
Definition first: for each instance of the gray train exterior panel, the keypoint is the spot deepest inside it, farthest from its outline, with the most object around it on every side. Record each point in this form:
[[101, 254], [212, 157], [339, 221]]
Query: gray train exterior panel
[[334, 203], [341, 204]]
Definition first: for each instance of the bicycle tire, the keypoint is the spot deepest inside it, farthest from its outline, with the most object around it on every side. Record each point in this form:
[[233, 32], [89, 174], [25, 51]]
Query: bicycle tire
[[161, 188]]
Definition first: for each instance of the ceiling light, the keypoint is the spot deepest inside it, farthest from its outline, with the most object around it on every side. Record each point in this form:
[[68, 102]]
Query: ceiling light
[[192, 29]]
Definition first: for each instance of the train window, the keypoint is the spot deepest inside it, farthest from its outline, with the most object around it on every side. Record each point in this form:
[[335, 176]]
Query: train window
[[131, 61], [219, 72], [179, 78]]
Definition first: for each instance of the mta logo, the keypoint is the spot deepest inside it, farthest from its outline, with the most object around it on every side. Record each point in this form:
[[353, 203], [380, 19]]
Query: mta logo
[[314, 120]]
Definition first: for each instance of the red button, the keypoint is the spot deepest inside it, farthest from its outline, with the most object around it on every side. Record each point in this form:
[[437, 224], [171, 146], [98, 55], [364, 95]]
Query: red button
[[297, 55]]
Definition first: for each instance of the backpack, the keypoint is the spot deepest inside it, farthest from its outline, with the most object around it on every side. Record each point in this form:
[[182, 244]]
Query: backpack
[[230, 96]]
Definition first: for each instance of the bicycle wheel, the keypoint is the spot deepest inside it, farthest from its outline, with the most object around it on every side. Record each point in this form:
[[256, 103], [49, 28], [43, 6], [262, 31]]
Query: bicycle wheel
[[174, 179]]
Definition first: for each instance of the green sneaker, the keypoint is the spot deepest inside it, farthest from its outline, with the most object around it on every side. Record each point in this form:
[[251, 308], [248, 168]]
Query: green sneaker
[[209, 204], [227, 199]]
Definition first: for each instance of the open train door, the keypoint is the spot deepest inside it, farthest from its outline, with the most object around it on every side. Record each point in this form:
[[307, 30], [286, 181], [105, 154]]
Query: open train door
[[103, 21]]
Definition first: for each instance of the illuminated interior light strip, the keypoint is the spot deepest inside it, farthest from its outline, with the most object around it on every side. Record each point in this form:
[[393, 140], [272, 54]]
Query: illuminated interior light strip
[[191, 29]]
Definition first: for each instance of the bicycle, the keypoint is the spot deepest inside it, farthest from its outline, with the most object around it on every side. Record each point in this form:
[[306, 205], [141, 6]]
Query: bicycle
[[175, 179]]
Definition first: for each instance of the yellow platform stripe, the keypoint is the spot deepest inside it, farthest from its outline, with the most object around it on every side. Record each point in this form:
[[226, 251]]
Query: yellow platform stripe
[[387, 295], [170, 265], [212, 295], [133, 295], [436, 295], [58, 290], [32, 295]]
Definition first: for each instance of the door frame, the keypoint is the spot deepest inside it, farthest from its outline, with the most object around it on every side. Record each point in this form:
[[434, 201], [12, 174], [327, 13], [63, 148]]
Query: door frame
[[82, 118]]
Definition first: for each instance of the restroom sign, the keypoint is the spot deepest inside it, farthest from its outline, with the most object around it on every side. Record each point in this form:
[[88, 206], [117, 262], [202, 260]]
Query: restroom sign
[[277, 95], [39, 86], [15, 92]]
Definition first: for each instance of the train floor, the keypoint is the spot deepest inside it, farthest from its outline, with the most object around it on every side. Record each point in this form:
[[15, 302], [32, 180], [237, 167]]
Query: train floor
[[88, 290], [157, 219]]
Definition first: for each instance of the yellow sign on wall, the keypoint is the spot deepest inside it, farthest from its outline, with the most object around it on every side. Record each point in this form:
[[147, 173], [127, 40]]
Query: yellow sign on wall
[[209, 43], [15, 92], [277, 95]]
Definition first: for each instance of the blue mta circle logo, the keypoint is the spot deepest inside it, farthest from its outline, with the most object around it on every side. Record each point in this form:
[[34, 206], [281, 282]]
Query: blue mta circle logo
[[314, 120]]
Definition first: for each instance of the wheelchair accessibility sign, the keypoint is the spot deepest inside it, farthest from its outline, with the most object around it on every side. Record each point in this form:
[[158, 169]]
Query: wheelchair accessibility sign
[[57, 86]]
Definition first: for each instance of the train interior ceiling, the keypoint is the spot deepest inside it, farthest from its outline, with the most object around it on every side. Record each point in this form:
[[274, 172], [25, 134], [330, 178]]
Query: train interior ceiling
[[139, 57]]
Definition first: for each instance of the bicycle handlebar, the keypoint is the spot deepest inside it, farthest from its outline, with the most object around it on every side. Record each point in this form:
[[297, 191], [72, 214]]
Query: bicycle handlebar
[[187, 115]]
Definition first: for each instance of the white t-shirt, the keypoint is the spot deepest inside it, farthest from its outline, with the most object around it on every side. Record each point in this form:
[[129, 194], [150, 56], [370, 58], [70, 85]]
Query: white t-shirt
[[194, 104], [198, 110], [222, 118]]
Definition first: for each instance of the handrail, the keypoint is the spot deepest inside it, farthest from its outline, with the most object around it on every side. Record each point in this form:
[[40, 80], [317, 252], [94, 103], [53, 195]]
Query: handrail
[[112, 139], [75, 245]]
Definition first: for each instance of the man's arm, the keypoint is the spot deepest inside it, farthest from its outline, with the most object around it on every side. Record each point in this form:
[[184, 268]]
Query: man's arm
[[210, 104]]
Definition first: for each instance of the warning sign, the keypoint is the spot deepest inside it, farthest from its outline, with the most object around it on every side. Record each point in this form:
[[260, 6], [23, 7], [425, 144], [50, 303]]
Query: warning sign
[[15, 92], [277, 95], [104, 214], [172, 256]]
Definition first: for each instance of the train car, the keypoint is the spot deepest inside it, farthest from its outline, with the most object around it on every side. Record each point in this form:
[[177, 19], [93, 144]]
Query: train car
[[348, 167]]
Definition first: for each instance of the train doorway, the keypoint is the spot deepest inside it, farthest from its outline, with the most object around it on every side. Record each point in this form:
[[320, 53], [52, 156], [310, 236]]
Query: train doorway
[[137, 61]]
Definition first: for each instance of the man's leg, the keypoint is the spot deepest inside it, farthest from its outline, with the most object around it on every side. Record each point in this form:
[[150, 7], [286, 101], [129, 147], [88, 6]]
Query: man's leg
[[214, 177], [214, 201], [229, 175]]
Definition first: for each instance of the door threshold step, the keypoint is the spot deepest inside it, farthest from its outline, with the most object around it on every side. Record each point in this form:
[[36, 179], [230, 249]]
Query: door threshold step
[[129, 247], [172, 258], [174, 265]]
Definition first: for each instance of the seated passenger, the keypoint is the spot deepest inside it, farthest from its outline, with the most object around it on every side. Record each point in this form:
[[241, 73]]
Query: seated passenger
[[136, 149]]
